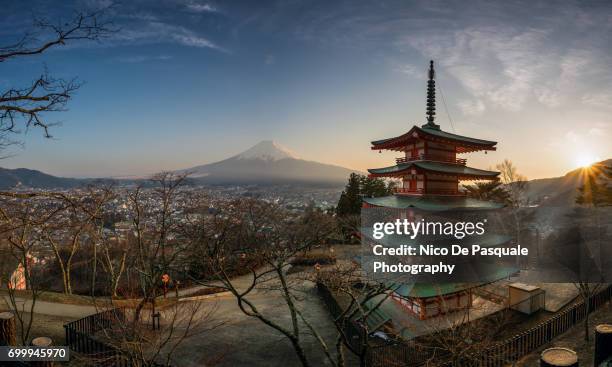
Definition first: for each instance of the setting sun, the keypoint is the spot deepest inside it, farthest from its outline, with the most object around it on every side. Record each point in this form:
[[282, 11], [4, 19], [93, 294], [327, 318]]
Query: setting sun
[[585, 159]]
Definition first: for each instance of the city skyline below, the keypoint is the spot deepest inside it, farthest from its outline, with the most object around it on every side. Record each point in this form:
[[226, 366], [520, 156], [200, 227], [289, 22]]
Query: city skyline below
[[185, 83]]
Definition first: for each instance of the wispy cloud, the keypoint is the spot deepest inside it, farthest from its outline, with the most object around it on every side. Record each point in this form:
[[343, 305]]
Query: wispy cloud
[[497, 65], [412, 71], [201, 8], [194, 41], [134, 59], [157, 31], [505, 55], [597, 100], [471, 107]]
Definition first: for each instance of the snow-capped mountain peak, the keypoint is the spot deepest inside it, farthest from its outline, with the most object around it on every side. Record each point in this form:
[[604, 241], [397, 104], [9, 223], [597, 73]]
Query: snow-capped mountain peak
[[267, 150]]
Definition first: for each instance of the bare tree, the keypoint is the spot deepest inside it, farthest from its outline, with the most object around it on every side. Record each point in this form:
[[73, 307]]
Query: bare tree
[[25, 107], [141, 346], [587, 291], [357, 300], [156, 227], [113, 260], [22, 216], [149, 333], [516, 186], [460, 339], [262, 238], [74, 226], [514, 183]]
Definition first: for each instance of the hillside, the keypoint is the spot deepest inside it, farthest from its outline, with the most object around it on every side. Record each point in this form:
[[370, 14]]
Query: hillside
[[14, 178], [558, 191]]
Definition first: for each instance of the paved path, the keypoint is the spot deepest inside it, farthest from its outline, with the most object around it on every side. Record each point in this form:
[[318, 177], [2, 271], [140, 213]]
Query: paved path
[[239, 282], [241, 340], [246, 341], [49, 308]]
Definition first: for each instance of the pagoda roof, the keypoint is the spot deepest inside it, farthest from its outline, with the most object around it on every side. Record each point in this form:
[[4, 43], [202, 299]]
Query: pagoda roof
[[488, 274], [432, 132], [445, 168], [432, 203], [437, 240]]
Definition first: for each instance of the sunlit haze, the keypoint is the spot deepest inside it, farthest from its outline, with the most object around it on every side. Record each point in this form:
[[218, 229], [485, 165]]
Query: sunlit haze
[[586, 160], [192, 82]]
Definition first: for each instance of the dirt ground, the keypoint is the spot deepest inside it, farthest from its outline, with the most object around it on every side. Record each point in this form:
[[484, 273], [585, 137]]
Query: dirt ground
[[574, 339]]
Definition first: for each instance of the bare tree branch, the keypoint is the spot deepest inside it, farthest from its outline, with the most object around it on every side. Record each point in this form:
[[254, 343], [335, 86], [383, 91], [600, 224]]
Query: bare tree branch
[[25, 107]]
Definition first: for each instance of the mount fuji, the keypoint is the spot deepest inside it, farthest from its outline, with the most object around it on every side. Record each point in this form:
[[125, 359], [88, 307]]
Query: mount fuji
[[268, 163]]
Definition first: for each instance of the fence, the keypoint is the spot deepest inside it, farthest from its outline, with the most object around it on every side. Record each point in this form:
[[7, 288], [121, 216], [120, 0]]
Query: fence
[[514, 348], [500, 354], [410, 353], [353, 333], [79, 337]]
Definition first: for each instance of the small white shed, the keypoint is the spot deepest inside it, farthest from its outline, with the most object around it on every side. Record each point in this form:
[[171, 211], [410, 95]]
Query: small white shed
[[526, 298]]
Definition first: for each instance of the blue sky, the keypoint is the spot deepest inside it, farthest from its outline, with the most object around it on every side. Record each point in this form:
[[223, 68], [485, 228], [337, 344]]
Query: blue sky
[[189, 82]]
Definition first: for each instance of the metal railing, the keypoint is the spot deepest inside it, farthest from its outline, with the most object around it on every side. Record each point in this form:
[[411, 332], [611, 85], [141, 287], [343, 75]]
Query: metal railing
[[352, 331], [431, 157], [499, 354], [405, 190], [408, 191], [80, 338]]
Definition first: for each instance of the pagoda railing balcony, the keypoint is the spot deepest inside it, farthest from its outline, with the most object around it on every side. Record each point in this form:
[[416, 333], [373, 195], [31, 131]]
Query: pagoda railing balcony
[[446, 192], [405, 190], [431, 157]]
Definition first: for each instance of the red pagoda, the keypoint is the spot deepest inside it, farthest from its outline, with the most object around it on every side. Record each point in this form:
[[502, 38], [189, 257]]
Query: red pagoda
[[429, 165], [430, 172]]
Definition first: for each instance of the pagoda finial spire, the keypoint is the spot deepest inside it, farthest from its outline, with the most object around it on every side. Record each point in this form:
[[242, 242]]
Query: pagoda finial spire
[[431, 98]]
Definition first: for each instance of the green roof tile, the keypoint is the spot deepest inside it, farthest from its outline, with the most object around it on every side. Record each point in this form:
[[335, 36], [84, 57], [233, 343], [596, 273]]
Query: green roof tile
[[435, 167], [441, 134], [425, 290], [432, 203], [448, 135]]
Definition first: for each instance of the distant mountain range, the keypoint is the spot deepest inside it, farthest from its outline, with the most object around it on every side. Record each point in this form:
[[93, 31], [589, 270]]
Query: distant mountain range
[[23, 177], [268, 163]]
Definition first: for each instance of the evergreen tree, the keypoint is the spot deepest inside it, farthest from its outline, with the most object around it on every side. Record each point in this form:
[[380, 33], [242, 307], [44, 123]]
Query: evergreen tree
[[350, 199], [358, 187], [490, 191], [597, 187], [596, 191], [373, 187]]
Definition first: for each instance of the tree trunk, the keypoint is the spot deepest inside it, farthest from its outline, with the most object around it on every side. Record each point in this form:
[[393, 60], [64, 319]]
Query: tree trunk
[[8, 334], [557, 357], [42, 341], [603, 343], [587, 305], [300, 352]]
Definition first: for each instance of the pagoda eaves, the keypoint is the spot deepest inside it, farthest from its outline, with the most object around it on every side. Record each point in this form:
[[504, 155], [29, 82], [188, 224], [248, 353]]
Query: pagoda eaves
[[461, 144], [461, 172]]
